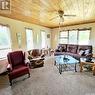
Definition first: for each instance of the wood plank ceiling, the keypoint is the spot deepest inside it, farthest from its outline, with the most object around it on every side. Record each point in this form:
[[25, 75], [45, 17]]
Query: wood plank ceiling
[[42, 11]]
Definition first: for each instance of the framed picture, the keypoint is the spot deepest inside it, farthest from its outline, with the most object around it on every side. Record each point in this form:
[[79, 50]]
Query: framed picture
[[48, 35]]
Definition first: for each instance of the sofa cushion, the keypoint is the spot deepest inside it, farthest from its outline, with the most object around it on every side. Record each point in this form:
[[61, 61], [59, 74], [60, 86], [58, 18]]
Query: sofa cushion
[[84, 47], [72, 48], [76, 56], [62, 47]]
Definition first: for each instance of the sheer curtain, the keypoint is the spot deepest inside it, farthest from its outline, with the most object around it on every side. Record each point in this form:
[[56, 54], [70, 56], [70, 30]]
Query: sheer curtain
[[29, 39], [43, 38]]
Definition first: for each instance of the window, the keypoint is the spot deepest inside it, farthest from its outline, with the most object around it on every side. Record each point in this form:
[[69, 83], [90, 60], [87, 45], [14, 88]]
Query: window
[[29, 39], [43, 39], [73, 37], [84, 37], [78, 36], [63, 37], [5, 43]]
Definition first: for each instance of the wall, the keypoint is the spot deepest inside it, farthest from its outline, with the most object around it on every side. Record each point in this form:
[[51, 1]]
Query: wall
[[18, 26], [55, 34]]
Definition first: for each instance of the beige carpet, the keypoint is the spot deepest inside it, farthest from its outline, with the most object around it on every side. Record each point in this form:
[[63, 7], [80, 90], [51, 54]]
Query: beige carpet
[[47, 81]]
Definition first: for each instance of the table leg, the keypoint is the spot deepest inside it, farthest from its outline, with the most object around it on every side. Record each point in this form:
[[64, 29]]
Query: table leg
[[54, 62], [93, 69], [81, 66], [60, 68], [75, 67]]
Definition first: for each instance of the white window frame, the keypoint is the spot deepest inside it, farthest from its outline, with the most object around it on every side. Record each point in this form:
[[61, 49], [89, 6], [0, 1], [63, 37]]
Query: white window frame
[[84, 43], [62, 37], [5, 50], [78, 31]]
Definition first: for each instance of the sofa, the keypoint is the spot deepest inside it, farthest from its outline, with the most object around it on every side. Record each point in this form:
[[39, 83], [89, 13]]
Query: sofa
[[76, 51]]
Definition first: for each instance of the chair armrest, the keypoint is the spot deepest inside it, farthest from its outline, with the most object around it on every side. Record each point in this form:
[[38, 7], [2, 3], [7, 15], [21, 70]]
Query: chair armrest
[[9, 68], [30, 57], [42, 58], [36, 59], [43, 55], [27, 62]]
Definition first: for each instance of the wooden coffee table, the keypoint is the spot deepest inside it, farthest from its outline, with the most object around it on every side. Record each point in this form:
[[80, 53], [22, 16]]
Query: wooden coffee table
[[83, 62]]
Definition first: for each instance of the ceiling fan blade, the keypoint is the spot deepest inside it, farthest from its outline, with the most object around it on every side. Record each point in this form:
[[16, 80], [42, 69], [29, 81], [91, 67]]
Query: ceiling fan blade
[[69, 15], [54, 18]]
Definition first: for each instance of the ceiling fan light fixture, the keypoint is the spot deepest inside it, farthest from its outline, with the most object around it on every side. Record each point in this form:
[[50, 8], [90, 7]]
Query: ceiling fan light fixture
[[60, 12]]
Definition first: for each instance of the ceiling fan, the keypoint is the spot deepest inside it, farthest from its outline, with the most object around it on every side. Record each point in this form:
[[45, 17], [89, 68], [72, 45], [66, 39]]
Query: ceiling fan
[[61, 15]]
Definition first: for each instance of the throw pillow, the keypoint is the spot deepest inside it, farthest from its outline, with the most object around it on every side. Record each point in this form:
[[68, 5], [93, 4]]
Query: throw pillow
[[63, 49], [60, 49], [81, 52], [70, 49], [87, 51]]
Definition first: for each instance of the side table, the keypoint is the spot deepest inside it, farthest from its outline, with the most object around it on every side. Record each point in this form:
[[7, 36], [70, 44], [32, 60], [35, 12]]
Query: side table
[[83, 62]]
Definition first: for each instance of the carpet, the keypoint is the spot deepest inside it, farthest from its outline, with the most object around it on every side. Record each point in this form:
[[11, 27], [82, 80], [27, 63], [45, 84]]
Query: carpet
[[47, 81]]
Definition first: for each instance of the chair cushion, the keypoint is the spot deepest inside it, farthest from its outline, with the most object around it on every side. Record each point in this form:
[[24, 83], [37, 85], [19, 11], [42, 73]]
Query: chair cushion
[[18, 71]]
